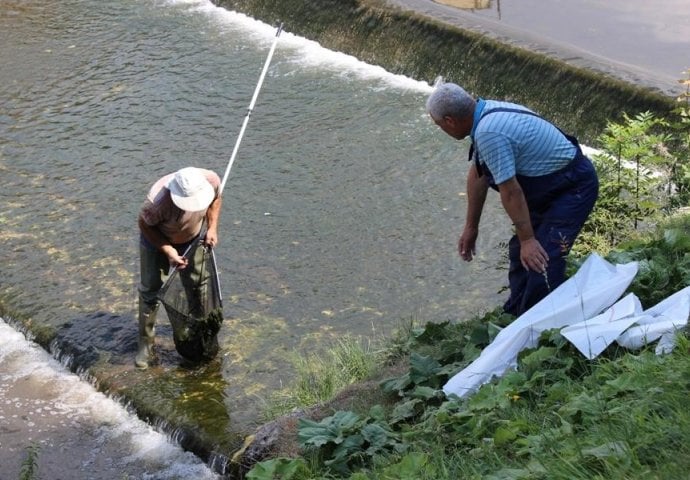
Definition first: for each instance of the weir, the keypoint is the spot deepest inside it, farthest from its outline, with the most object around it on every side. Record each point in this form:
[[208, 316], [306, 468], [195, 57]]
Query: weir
[[577, 99]]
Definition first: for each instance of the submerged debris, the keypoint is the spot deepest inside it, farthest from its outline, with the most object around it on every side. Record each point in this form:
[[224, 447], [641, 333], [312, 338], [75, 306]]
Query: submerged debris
[[197, 339]]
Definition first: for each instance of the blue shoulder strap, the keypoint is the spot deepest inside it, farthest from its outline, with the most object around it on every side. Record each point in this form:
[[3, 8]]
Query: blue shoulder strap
[[481, 169]]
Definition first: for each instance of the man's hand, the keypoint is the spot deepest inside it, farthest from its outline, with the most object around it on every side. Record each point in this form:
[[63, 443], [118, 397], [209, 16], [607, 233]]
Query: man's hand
[[467, 243], [175, 259], [533, 256], [211, 238], [476, 196]]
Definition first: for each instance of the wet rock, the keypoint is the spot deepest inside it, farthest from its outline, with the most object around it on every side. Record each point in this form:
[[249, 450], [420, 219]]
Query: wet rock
[[273, 439], [84, 341]]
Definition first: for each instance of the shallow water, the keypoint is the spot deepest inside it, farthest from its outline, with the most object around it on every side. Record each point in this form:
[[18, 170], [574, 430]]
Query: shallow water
[[340, 216]]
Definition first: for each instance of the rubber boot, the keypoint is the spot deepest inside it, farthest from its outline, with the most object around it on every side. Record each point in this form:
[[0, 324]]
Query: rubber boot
[[147, 329]]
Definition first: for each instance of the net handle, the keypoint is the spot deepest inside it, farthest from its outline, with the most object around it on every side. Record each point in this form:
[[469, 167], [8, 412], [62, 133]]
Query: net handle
[[249, 110]]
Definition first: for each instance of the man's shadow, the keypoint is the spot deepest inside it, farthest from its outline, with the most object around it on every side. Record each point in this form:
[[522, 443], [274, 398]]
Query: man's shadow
[[104, 337]]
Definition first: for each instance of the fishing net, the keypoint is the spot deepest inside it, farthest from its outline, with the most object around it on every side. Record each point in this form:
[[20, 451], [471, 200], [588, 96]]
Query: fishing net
[[193, 302]]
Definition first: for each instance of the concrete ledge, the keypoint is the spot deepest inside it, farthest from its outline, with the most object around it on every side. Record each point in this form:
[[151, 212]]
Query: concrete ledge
[[421, 46]]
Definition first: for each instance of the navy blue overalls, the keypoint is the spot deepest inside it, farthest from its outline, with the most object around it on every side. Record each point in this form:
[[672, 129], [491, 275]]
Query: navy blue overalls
[[559, 204]]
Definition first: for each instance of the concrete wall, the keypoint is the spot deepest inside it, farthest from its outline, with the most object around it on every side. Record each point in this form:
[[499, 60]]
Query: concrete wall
[[578, 100]]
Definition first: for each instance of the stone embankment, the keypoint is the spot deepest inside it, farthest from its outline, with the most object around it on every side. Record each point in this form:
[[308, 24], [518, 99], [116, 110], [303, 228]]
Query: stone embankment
[[423, 47]]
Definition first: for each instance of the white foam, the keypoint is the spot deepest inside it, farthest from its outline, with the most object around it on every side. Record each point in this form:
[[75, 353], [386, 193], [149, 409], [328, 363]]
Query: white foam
[[303, 51], [79, 403]]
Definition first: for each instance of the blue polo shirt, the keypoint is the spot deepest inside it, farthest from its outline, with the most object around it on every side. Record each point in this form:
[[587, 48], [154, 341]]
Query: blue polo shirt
[[511, 143]]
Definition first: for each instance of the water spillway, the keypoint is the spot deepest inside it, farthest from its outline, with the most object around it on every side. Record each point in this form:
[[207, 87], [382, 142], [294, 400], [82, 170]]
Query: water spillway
[[424, 46], [79, 432]]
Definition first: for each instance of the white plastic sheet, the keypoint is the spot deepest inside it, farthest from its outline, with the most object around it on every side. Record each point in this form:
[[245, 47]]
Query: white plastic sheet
[[593, 288], [626, 324], [662, 321], [592, 336]]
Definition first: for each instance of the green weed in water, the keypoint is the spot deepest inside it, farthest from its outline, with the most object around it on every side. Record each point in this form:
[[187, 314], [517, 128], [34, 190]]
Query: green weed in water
[[29, 468]]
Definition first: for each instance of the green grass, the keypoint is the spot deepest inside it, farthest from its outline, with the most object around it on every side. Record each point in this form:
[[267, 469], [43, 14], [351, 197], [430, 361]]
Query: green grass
[[319, 377], [29, 466], [559, 416]]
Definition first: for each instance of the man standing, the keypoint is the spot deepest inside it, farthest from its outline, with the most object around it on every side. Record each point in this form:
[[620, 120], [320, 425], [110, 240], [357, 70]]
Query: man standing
[[169, 221], [547, 186]]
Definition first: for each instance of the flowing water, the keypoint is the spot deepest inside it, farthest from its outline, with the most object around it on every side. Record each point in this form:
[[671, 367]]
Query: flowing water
[[340, 216], [79, 432]]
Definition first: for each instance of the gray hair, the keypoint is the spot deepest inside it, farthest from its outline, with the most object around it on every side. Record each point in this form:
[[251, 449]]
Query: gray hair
[[449, 99]]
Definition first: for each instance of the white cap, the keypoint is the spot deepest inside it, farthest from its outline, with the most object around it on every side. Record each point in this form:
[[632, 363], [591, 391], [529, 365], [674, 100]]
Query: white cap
[[190, 190]]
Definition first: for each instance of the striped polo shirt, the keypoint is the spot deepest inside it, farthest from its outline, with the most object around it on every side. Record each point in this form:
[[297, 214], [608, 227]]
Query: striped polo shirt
[[511, 143]]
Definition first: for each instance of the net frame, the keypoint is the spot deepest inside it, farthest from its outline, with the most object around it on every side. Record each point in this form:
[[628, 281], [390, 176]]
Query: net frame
[[193, 302]]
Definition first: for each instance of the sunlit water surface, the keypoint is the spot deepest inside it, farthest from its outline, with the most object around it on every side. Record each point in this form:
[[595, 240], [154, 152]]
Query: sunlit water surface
[[340, 216]]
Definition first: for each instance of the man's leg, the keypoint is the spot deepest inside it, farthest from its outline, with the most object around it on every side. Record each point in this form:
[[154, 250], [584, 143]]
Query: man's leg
[[570, 196], [153, 266], [517, 278]]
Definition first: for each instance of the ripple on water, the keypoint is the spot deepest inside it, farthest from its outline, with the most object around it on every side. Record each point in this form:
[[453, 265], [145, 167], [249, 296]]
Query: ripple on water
[[340, 216]]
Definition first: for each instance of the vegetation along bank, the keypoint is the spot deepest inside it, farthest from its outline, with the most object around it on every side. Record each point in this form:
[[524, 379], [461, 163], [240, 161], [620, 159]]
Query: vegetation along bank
[[559, 415]]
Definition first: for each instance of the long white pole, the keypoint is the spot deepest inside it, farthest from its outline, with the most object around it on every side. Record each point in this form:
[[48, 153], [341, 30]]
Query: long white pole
[[244, 124], [249, 111]]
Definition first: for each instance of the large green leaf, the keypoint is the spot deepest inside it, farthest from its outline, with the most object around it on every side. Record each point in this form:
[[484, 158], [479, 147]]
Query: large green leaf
[[351, 444], [406, 410], [314, 434], [426, 393], [377, 437], [510, 474], [277, 468], [432, 332], [396, 384], [410, 467], [330, 429], [610, 449], [504, 435], [423, 368]]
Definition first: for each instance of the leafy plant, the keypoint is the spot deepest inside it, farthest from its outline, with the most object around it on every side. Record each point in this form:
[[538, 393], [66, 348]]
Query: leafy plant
[[283, 468], [634, 181], [440, 350], [345, 439], [644, 172], [29, 468], [680, 128], [664, 264]]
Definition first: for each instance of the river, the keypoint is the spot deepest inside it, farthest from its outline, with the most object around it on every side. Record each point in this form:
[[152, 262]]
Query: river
[[340, 216]]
